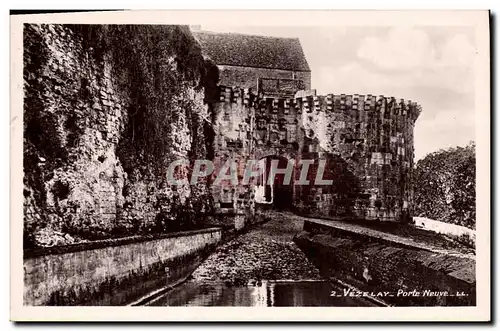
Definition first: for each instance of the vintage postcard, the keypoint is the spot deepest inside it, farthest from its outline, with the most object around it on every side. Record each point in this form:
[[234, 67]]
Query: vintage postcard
[[250, 166]]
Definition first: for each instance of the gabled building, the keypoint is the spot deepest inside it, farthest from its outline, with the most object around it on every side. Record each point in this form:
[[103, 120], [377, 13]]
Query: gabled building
[[273, 66]]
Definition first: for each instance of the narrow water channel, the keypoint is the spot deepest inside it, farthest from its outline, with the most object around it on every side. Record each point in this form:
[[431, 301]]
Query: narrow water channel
[[262, 267], [261, 294]]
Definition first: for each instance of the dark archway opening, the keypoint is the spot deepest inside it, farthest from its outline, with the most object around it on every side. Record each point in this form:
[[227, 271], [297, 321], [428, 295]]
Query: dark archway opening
[[279, 193]]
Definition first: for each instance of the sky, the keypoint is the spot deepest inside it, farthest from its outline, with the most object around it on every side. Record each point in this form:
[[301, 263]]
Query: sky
[[432, 65]]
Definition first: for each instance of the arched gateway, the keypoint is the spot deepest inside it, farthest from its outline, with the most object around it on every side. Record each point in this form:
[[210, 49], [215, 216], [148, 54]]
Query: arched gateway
[[358, 151], [264, 108], [275, 186]]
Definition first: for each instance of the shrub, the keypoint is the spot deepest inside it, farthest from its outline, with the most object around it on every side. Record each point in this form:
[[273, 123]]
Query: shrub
[[445, 186]]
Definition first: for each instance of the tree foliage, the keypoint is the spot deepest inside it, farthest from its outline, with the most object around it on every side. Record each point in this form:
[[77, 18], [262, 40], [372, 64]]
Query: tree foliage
[[445, 186]]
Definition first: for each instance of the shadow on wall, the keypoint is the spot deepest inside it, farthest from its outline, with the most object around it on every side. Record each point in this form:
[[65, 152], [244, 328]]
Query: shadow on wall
[[341, 197], [278, 194]]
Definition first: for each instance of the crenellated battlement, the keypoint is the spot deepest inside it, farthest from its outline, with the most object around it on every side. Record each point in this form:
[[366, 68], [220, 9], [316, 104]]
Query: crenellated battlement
[[368, 137], [388, 106]]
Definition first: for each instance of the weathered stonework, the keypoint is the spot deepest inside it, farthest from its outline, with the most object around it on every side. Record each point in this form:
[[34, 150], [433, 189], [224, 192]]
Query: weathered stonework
[[87, 175], [247, 77], [84, 175], [66, 92], [376, 261], [367, 143], [114, 271]]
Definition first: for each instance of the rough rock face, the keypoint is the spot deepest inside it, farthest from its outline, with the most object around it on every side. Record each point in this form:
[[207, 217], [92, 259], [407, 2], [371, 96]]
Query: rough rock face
[[81, 124]]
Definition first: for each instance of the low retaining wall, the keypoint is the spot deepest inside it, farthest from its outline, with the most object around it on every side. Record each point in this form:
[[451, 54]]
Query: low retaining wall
[[457, 232], [396, 272], [113, 272]]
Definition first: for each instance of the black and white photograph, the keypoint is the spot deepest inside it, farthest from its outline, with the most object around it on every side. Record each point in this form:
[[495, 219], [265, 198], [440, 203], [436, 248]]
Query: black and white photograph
[[328, 167]]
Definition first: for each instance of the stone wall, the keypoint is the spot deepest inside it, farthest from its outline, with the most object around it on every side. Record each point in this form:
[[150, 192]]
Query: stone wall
[[410, 271], [113, 272], [234, 146], [370, 140], [460, 233], [247, 77], [73, 117], [101, 105], [108, 108], [366, 142]]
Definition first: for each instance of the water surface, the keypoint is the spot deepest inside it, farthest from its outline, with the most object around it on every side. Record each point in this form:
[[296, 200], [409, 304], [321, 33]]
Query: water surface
[[257, 294]]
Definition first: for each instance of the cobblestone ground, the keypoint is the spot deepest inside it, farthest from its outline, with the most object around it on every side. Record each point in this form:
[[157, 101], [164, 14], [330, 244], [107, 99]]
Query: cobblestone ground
[[265, 253]]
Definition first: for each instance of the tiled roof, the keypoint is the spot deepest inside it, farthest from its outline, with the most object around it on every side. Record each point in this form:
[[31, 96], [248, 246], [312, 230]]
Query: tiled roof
[[253, 51]]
